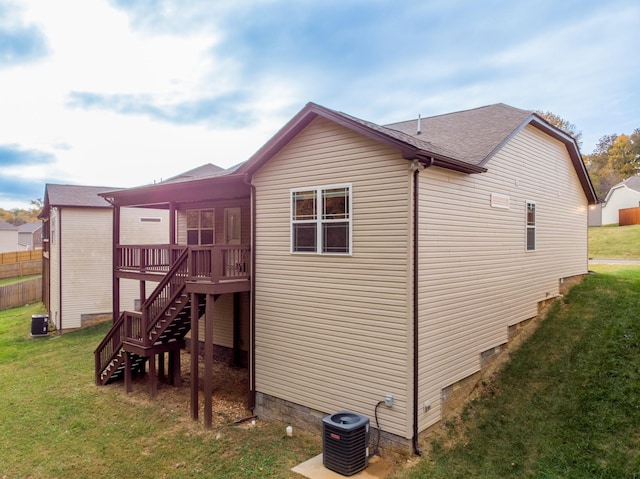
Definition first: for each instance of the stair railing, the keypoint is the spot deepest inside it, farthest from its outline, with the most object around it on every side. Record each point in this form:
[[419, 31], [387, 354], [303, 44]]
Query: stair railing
[[109, 347], [161, 299]]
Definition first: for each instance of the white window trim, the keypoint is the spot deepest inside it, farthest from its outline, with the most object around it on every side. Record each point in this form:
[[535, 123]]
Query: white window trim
[[527, 227], [319, 221]]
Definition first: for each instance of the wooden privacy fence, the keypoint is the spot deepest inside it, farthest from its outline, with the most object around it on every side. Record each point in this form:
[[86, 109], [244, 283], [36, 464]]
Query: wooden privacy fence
[[20, 294], [629, 216], [21, 256], [16, 270]]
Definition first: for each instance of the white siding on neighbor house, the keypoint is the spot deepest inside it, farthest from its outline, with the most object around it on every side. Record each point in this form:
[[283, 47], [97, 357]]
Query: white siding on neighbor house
[[86, 263], [9, 241], [619, 198], [86, 255], [135, 231], [332, 330], [476, 277], [135, 227]]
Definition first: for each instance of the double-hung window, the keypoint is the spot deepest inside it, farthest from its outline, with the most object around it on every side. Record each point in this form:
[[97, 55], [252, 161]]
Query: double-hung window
[[321, 220], [200, 227], [531, 226]]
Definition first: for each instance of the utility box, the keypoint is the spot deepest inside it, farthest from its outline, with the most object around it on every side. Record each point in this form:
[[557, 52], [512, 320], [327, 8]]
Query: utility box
[[39, 325], [345, 442]]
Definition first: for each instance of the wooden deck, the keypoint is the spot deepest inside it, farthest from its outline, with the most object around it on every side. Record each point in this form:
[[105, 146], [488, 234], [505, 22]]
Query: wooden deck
[[210, 269]]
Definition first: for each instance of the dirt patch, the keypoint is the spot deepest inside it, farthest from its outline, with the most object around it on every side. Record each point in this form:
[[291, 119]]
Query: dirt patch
[[230, 392]]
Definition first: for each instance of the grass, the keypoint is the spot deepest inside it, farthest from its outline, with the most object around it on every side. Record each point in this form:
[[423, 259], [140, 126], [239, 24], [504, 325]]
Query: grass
[[566, 405], [19, 279], [616, 242], [57, 423]]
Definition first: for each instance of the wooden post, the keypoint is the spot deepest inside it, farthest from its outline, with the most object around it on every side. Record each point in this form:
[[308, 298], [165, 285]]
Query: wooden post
[[153, 376], [175, 377], [208, 361], [114, 263], [161, 371], [237, 351], [195, 308], [127, 372]]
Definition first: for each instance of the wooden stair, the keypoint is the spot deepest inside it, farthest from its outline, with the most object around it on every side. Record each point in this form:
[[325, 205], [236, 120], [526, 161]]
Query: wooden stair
[[168, 313]]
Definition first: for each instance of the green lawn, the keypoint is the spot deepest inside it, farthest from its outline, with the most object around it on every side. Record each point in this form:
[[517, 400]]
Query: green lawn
[[566, 405], [620, 242], [55, 423], [19, 279]]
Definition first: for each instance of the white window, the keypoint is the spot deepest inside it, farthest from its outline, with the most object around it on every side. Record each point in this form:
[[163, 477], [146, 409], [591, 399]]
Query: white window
[[200, 227], [321, 220], [531, 226]]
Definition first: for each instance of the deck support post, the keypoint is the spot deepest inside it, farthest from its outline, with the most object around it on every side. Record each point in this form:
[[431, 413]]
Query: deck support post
[[195, 308], [127, 372], [237, 351], [161, 368], [153, 376], [175, 378], [208, 361]]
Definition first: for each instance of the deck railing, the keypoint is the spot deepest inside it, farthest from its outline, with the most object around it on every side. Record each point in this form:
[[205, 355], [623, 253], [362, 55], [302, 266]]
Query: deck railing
[[213, 263]]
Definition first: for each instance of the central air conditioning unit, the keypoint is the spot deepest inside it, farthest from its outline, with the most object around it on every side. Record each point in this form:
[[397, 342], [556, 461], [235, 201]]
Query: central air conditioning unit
[[345, 442]]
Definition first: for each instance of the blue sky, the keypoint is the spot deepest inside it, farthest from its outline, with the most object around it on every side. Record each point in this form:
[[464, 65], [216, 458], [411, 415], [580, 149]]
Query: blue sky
[[120, 93]]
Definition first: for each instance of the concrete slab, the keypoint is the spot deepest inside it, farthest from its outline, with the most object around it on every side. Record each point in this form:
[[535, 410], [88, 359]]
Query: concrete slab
[[378, 468]]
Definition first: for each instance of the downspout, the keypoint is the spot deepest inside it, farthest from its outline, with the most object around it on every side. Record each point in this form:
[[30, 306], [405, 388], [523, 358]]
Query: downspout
[[60, 270], [252, 298], [417, 166]]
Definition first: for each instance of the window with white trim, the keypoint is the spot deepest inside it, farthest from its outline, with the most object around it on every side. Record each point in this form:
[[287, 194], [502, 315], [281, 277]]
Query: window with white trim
[[531, 226], [200, 227], [321, 220]]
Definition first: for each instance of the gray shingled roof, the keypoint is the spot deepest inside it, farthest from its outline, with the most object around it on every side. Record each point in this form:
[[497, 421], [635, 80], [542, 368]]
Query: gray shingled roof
[[632, 183], [208, 170], [29, 227], [6, 226], [471, 135], [75, 195]]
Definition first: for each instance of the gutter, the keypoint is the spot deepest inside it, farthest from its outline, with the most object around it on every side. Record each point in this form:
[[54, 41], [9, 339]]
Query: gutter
[[418, 164], [252, 298]]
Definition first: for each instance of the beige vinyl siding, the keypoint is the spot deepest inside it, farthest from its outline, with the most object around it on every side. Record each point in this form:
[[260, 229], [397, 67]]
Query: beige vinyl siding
[[87, 263], [476, 278], [331, 330]]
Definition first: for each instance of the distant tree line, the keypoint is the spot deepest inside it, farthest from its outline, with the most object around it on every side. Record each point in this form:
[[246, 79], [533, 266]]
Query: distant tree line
[[615, 158], [18, 216]]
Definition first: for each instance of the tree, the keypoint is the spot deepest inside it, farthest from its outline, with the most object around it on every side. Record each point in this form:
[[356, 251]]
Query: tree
[[36, 206], [564, 125], [615, 158]]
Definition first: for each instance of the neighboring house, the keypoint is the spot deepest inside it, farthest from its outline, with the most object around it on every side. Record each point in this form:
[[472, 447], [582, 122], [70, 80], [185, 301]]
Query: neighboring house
[[77, 254], [8, 237], [348, 261], [30, 236], [625, 194], [595, 215]]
